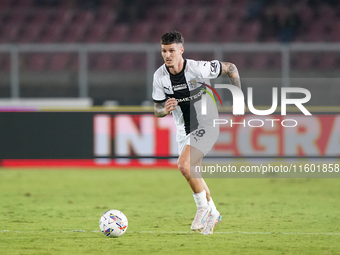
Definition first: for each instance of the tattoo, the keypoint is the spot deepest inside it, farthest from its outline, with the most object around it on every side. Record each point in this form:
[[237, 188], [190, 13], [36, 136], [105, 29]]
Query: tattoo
[[231, 71], [159, 109]]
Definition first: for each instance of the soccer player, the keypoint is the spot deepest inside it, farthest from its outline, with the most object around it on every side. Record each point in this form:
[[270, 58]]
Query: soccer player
[[178, 87]]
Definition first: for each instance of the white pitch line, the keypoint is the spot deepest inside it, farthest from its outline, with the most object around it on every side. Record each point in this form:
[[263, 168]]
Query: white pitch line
[[176, 232], [235, 232]]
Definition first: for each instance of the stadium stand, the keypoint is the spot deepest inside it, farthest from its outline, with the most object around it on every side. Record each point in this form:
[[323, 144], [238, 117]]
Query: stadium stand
[[126, 21], [37, 62], [103, 62]]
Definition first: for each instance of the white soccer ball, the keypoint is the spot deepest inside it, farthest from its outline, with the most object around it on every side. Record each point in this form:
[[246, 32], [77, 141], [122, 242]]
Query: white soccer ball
[[113, 223]]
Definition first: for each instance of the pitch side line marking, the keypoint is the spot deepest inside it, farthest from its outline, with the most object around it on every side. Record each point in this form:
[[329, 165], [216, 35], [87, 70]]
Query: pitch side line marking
[[235, 232], [177, 232]]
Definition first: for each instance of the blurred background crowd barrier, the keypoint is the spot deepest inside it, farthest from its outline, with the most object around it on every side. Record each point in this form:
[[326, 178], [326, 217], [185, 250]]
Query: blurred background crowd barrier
[[105, 51]]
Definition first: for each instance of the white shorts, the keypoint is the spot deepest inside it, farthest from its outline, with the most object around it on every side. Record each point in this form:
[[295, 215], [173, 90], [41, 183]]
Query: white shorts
[[202, 139]]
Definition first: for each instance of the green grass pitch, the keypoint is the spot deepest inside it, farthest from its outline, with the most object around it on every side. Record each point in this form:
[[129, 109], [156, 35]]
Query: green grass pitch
[[57, 212]]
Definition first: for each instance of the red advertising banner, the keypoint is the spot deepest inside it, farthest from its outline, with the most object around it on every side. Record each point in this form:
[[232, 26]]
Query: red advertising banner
[[242, 136], [141, 140], [281, 136]]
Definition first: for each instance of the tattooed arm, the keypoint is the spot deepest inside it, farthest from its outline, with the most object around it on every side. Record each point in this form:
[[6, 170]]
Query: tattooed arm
[[159, 109], [231, 71], [163, 109]]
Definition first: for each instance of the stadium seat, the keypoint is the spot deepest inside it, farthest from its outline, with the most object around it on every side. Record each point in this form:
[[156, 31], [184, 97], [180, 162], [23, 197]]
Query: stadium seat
[[174, 13], [95, 33], [5, 62], [260, 61], [141, 62], [317, 32], [154, 14], [73, 33], [109, 4], [118, 33], [126, 62], [239, 59], [327, 61], [237, 13], [52, 33], [9, 33], [24, 3], [281, 11], [195, 15], [18, 16], [105, 16], [40, 17], [2, 18], [129, 61], [104, 62], [303, 61], [334, 33], [270, 39], [62, 16], [217, 16], [276, 62], [2, 60], [327, 14], [83, 18], [250, 32], [206, 32], [306, 14], [59, 62], [228, 32], [217, 4], [188, 32], [73, 64], [140, 32], [30, 33], [5, 3], [335, 36], [179, 3], [160, 29], [37, 62]]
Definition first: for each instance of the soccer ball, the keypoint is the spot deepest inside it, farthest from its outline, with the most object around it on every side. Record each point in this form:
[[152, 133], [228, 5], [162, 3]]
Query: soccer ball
[[113, 223]]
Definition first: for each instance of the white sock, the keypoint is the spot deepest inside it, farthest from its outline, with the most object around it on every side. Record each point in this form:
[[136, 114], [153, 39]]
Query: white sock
[[212, 205], [201, 200]]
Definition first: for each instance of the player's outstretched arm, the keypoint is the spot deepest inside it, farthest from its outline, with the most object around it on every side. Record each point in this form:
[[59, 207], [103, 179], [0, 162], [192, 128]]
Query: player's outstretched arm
[[163, 109], [159, 109], [231, 71]]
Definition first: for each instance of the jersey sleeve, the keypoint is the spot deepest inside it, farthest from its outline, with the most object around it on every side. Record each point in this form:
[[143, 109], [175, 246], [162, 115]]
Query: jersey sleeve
[[210, 69], [158, 94]]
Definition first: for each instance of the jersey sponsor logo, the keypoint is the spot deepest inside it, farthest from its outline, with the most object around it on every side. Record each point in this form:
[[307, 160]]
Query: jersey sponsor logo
[[192, 84], [179, 87], [167, 88], [193, 97]]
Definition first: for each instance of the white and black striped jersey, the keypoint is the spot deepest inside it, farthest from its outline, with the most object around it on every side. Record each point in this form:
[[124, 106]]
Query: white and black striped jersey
[[187, 88]]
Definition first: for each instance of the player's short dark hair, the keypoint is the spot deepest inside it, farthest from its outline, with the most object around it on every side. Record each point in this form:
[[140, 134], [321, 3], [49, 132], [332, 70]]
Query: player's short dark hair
[[172, 37]]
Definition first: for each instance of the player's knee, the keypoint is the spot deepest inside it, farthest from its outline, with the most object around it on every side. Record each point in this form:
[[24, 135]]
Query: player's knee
[[184, 168]]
